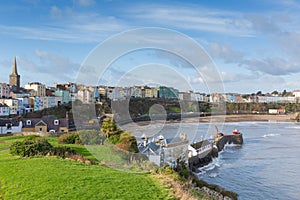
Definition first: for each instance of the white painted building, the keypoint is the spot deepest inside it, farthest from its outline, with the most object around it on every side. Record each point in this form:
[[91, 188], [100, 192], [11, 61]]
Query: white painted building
[[8, 126], [276, 99], [38, 89], [85, 96], [296, 93]]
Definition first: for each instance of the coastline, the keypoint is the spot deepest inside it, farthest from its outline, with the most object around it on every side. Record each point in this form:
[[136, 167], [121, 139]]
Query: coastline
[[228, 118], [244, 118]]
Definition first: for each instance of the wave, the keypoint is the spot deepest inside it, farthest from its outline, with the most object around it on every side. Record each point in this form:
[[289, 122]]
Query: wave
[[211, 166], [213, 175], [293, 127], [231, 145], [230, 148], [270, 135]]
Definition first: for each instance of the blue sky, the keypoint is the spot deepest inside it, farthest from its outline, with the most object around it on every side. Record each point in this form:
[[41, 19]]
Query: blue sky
[[254, 44]]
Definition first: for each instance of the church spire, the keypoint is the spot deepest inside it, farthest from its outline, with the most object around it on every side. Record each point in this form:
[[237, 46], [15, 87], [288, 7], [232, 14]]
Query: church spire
[[14, 70], [14, 78]]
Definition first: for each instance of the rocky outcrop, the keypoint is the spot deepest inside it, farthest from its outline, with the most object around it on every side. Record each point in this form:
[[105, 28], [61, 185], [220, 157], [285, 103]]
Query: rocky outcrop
[[195, 162], [213, 194]]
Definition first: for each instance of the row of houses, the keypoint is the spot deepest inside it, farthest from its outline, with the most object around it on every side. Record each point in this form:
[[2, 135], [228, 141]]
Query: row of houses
[[43, 125], [238, 98], [36, 96], [19, 106]]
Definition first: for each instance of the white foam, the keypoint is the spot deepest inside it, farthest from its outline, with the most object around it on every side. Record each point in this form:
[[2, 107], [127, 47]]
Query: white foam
[[271, 135], [294, 127], [212, 165], [231, 145], [213, 175]]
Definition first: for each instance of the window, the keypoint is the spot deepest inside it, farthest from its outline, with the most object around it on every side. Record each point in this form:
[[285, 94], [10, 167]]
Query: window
[[28, 122], [40, 129], [56, 122], [9, 126]]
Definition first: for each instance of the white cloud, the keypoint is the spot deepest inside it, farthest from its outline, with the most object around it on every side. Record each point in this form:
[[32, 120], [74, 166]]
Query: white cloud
[[68, 25], [273, 66], [224, 52], [193, 17]]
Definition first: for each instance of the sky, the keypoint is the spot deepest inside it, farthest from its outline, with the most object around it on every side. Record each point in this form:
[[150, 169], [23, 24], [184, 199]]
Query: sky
[[253, 45]]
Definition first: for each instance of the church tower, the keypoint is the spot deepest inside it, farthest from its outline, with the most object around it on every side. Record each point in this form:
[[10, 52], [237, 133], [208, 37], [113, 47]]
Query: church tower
[[14, 78]]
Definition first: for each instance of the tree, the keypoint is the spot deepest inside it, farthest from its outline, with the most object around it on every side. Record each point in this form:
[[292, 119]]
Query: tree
[[284, 93], [111, 130], [259, 93], [128, 142], [275, 92]]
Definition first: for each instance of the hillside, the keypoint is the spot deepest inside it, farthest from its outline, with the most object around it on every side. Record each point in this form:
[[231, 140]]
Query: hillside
[[54, 178]]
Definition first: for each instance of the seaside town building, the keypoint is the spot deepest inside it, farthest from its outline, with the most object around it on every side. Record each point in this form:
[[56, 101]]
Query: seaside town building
[[4, 110], [4, 90], [38, 89], [85, 96], [13, 105], [8, 126], [44, 125], [167, 92], [64, 94]]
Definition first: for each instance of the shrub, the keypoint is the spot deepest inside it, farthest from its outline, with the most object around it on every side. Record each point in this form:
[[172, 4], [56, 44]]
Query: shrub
[[114, 139], [127, 142], [62, 152], [182, 168], [69, 138], [31, 146], [91, 137]]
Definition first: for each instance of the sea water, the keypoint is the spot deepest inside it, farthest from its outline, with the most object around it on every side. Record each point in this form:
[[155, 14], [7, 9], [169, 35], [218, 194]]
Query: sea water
[[266, 166]]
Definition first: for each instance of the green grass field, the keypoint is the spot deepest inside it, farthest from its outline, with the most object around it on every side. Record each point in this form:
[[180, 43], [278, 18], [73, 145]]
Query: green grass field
[[55, 178]]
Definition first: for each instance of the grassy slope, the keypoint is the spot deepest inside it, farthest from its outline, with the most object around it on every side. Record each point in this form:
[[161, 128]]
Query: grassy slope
[[53, 178], [108, 154]]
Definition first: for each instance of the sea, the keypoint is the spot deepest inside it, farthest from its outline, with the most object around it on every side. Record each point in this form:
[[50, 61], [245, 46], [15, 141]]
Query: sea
[[266, 166]]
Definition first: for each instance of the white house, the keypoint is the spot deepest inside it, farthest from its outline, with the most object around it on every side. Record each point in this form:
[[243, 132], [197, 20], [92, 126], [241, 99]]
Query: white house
[[85, 96], [296, 93], [10, 126]]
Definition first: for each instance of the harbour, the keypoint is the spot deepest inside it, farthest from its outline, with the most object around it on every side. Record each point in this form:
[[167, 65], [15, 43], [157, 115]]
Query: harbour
[[264, 167]]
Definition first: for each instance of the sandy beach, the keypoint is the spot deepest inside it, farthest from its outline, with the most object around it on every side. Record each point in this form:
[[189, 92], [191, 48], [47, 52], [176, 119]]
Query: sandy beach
[[230, 118], [243, 118]]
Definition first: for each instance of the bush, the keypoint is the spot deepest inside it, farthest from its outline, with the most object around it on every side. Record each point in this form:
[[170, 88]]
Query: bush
[[91, 137], [69, 138], [31, 146], [127, 142], [114, 139], [62, 152]]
